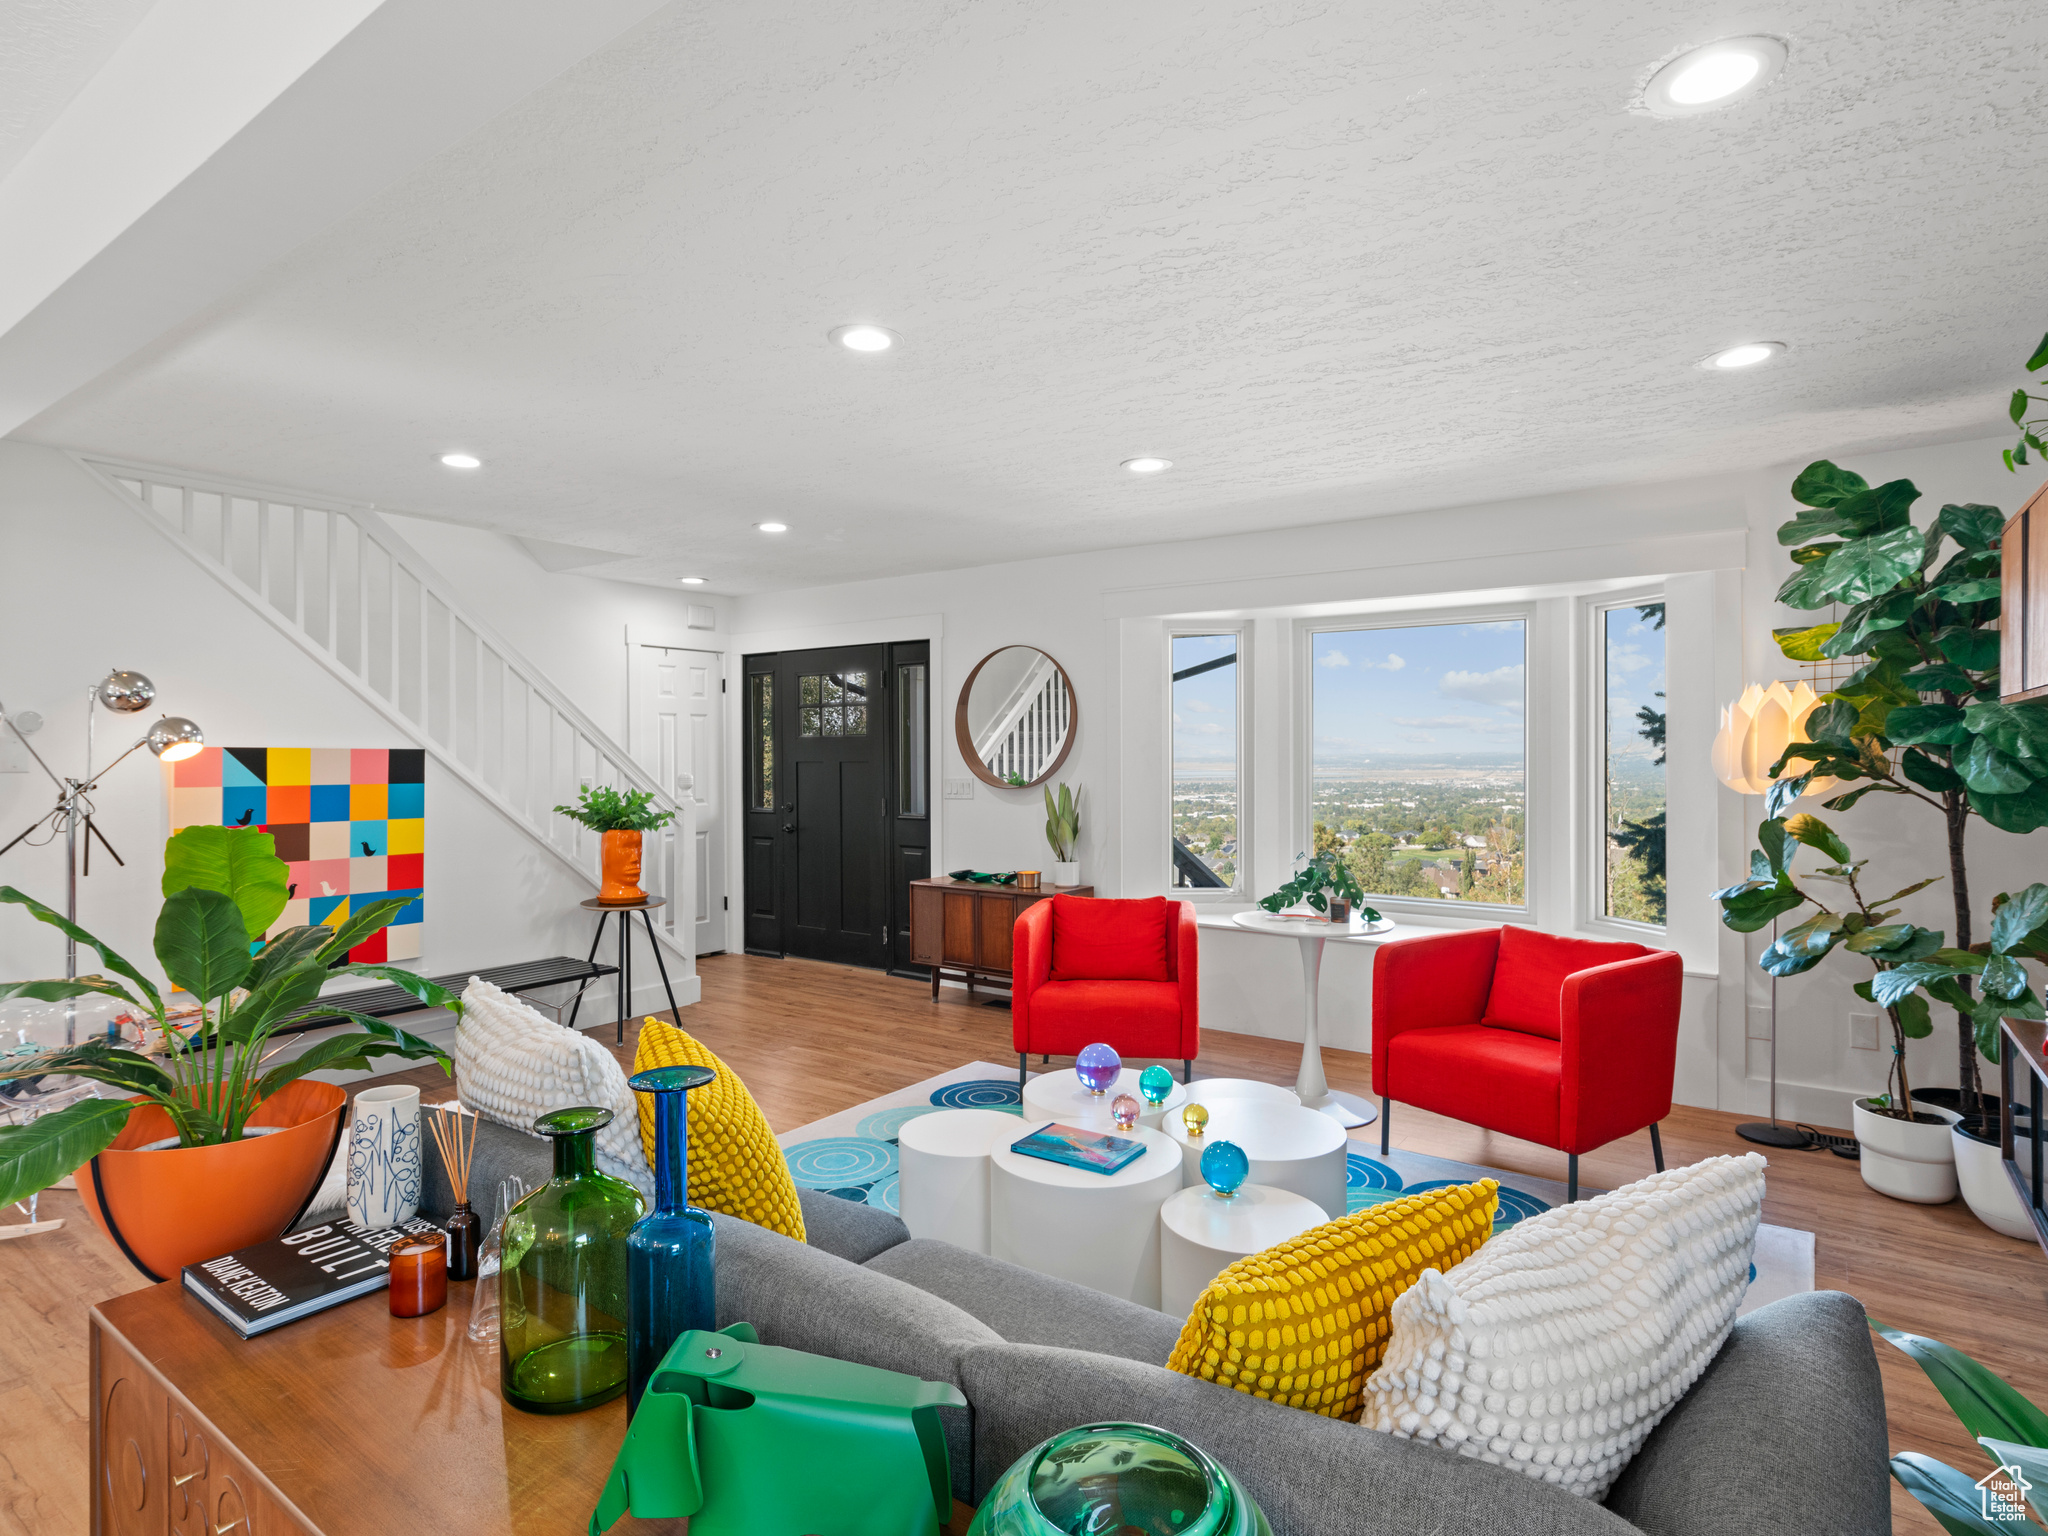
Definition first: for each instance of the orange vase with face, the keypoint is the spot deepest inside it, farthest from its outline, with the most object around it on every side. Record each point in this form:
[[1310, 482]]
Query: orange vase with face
[[620, 852]]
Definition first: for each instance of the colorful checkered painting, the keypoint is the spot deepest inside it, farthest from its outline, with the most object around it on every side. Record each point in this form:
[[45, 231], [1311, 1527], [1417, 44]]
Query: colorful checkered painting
[[351, 823]]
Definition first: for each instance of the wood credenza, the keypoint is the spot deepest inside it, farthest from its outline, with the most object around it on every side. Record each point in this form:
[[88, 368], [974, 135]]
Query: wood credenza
[[962, 930], [2023, 606]]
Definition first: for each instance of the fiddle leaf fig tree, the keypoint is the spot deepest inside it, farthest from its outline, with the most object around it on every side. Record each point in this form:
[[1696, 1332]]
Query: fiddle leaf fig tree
[[1920, 716], [210, 1068], [1911, 964]]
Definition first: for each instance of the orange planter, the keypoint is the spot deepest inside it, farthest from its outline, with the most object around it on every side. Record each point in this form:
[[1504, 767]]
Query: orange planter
[[184, 1205], [621, 855]]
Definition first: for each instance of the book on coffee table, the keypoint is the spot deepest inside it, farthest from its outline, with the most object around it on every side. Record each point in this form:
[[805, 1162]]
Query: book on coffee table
[[1095, 1151], [265, 1286]]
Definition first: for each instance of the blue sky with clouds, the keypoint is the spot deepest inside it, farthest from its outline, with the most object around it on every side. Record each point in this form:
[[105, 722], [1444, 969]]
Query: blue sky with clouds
[[1205, 707], [1635, 676], [1435, 690]]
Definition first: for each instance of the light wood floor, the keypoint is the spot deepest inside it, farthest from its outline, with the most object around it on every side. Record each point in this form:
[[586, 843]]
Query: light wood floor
[[813, 1039]]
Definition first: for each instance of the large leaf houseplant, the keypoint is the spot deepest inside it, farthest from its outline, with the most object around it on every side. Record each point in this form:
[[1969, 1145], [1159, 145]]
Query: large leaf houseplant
[[1919, 717], [210, 1067]]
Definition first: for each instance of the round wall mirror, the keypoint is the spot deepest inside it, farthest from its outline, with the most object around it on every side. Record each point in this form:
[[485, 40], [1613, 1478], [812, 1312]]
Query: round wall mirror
[[1016, 717]]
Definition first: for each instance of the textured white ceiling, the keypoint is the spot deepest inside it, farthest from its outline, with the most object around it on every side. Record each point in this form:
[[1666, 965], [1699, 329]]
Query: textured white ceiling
[[48, 50], [1331, 260]]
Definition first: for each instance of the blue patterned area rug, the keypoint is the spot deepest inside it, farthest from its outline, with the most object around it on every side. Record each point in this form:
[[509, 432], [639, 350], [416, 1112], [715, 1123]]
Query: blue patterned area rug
[[853, 1155]]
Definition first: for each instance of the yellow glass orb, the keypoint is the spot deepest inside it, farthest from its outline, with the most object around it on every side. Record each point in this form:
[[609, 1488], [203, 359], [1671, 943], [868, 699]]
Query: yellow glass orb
[[1194, 1118]]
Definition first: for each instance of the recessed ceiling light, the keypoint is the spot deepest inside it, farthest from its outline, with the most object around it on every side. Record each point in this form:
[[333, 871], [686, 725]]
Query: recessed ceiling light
[[1147, 466], [1748, 355], [1717, 75], [864, 338], [462, 461], [773, 527], [692, 581]]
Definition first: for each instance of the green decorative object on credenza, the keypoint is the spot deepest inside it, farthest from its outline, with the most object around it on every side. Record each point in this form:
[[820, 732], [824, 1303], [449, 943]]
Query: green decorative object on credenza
[[744, 1438], [980, 877], [1118, 1478], [563, 1283]]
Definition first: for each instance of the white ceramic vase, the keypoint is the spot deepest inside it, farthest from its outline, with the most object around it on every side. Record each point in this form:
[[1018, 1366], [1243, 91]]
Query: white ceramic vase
[[1987, 1189], [384, 1157], [1907, 1159], [1066, 874]]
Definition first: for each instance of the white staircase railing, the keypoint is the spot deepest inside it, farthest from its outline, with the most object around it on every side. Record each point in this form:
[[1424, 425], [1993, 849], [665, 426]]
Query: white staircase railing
[[342, 584], [1028, 731]]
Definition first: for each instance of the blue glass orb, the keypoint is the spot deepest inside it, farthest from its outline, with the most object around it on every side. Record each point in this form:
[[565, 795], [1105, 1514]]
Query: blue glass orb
[[1225, 1167], [1156, 1083], [1097, 1066]]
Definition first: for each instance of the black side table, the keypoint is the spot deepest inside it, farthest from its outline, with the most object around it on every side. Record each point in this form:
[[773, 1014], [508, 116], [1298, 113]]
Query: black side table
[[2023, 1052], [623, 987]]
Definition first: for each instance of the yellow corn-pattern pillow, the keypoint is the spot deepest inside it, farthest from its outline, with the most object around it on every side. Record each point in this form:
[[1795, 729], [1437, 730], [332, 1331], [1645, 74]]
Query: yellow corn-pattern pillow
[[1305, 1322], [735, 1165]]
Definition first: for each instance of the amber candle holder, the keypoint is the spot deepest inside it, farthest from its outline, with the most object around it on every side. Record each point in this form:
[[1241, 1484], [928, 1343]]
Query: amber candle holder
[[419, 1274], [465, 1232]]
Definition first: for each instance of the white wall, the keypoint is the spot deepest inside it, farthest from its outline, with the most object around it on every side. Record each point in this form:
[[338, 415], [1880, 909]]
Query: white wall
[[92, 586], [1712, 544]]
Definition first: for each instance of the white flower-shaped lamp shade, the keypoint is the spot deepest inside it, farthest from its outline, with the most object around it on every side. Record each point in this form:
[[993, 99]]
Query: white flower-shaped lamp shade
[[1755, 731]]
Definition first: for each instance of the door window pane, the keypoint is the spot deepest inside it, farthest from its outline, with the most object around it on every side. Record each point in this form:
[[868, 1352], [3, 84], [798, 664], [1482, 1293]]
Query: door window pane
[[1205, 761], [1632, 662], [833, 704], [761, 739], [1417, 774], [913, 740]]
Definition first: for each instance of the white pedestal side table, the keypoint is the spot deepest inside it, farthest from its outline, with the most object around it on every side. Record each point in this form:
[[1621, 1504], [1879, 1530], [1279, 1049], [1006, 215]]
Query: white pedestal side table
[[942, 1162], [1290, 1146], [1206, 1091], [1201, 1234], [1060, 1096], [1312, 934], [1098, 1230]]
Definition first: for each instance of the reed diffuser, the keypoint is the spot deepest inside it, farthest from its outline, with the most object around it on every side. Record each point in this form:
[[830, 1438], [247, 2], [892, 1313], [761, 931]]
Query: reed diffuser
[[458, 1150]]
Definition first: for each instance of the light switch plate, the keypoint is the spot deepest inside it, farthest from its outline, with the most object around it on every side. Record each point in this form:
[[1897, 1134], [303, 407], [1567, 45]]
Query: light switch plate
[[1863, 1031], [1759, 1023], [959, 789]]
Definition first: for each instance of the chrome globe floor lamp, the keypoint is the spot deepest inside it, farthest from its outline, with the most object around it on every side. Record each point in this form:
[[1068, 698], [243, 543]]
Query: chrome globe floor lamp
[[171, 737]]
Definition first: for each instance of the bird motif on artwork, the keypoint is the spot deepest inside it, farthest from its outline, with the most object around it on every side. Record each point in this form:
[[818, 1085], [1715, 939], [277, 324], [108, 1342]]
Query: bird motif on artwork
[[368, 851], [326, 889], [291, 892], [243, 819]]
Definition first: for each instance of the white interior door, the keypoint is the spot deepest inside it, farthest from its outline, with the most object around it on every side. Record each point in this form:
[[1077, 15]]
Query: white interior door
[[677, 722]]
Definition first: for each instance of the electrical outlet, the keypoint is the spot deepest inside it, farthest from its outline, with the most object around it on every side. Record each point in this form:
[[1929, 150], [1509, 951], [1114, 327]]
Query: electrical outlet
[[1863, 1031], [959, 789], [1759, 1023]]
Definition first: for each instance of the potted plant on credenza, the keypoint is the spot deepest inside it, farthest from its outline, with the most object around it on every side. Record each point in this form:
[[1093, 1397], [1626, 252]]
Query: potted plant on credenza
[[1063, 835], [212, 1144]]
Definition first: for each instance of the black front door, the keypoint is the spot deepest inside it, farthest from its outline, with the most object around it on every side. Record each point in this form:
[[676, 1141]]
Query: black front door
[[821, 819]]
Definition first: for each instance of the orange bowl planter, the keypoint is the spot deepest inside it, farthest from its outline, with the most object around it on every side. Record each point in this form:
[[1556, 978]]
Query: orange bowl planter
[[184, 1205], [620, 852]]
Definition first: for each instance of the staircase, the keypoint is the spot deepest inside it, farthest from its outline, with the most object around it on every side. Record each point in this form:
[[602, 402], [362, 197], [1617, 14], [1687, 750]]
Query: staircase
[[341, 584]]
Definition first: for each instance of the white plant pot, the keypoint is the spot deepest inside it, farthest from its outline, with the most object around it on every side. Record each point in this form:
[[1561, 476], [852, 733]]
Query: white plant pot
[[1986, 1188], [1066, 874], [1907, 1159]]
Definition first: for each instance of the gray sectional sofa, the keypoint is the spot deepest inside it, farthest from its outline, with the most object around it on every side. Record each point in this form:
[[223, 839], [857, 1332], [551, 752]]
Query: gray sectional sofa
[[1784, 1432]]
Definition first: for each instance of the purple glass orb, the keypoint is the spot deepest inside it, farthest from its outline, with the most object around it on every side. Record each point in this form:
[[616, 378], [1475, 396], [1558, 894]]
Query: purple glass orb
[[1097, 1066], [1123, 1109]]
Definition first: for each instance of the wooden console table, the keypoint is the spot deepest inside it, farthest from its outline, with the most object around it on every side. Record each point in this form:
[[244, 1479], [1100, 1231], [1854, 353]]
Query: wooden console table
[[961, 929], [348, 1423]]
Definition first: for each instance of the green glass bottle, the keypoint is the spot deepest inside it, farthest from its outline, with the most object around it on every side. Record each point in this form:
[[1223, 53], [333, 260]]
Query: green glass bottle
[[563, 1278]]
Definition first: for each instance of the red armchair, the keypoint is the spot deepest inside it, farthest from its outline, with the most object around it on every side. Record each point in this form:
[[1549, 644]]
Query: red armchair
[[1567, 1042], [1086, 968]]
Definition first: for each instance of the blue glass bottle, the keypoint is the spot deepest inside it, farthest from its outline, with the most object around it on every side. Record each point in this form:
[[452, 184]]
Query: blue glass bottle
[[668, 1254]]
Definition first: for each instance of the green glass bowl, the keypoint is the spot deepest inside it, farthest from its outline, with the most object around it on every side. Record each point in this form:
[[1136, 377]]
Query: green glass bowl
[[1117, 1480]]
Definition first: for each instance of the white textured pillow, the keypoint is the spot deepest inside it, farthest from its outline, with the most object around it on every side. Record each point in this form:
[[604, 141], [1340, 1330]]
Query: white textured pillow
[[1559, 1345], [513, 1065]]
